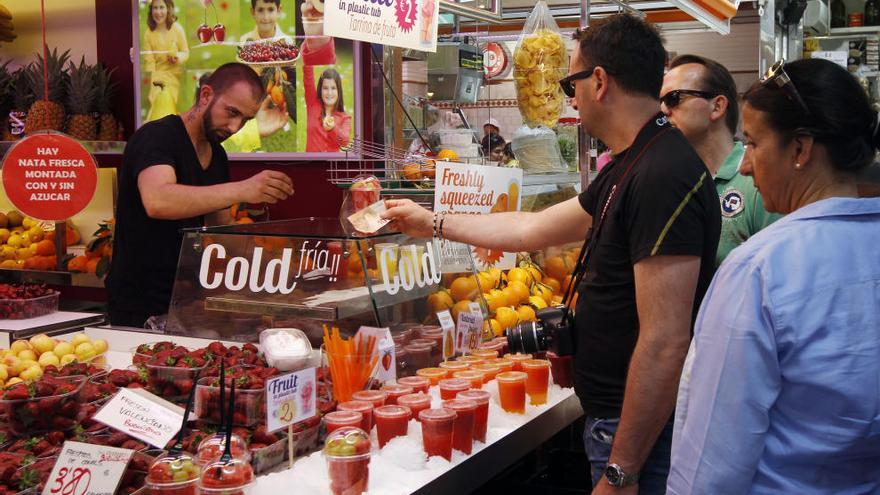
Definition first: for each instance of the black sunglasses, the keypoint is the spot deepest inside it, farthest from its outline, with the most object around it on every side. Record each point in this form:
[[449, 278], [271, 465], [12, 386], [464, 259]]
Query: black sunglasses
[[778, 78], [672, 99], [567, 82]]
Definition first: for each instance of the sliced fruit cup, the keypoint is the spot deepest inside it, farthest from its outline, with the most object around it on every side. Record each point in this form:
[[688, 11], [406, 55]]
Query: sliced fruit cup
[[170, 382], [249, 404], [233, 477], [347, 451], [173, 474], [211, 449], [41, 414]]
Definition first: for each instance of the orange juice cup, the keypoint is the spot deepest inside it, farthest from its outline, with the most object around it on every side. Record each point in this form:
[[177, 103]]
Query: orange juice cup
[[454, 366], [504, 364], [391, 421], [485, 353], [538, 371], [473, 376], [365, 408], [418, 383], [517, 360], [489, 370], [494, 345], [416, 403], [393, 391], [470, 359], [375, 397], [433, 374], [512, 391], [463, 428], [481, 417], [450, 387], [338, 419], [502, 341]]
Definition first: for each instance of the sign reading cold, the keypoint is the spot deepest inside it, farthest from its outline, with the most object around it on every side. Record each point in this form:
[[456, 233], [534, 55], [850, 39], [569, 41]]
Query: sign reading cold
[[403, 23], [49, 176]]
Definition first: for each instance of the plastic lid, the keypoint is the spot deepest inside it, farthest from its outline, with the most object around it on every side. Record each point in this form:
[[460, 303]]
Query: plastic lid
[[455, 384], [455, 365], [535, 363], [429, 342], [414, 399], [418, 347], [460, 404], [441, 414], [396, 389], [486, 367], [355, 405], [172, 469], [468, 374], [348, 442], [212, 448], [392, 411], [345, 416], [511, 376], [518, 356], [414, 381], [369, 395], [478, 396], [234, 473], [431, 371]]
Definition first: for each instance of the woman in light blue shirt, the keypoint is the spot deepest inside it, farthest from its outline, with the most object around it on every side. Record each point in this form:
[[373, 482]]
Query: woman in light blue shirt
[[780, 392]]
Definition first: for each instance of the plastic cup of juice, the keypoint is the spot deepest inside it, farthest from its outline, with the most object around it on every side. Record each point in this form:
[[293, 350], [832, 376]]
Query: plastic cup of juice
[[391, 421], [418, 355], [450, 387], [386, 257], [463, 429], [375, 397], [485, 353], [433, 374], [494, 345], [471, 359], [418, 383], [338, 419], [473, 376], [489, 370], [393, 391], [453, 366], [504, 364], [437, 431], [512, 391], [416, 403], [481, 416], [517, 359], [435, 356], [538, 380], [365, 408]]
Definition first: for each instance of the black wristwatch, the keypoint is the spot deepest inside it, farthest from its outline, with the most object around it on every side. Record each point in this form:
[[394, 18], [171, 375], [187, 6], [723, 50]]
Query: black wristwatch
[[616, 477]]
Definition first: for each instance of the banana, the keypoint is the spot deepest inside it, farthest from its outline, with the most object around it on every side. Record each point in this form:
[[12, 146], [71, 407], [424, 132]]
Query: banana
[[5, 13]]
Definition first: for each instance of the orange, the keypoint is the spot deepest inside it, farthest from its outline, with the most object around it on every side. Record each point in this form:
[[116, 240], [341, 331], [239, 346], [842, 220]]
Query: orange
[[45, 248], [354, 263], [507, 317], [447, 155], [492, 325], [244, 220], [31, 263], [96, 253], [495, 299], [439, 301], [535, 272], [554, 284], [71, 236], [520, 274], [77, 264], [537, 302], [463, 288], [459, 307], [521, 290], [487, 281], [526, 313], [429, 170], [556, 267], [92, 265], [412, 171], [545, 292], [511, 296], [277, 96]]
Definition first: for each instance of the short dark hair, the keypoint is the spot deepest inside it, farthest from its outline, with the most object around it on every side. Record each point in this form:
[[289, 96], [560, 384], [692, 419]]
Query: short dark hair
[[254, 3], [169, 18], [629, 49], [228, 75], [715, 79], [840, 116]]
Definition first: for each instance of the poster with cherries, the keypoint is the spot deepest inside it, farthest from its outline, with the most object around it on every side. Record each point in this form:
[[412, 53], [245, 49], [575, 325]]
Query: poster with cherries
[[404, 23]]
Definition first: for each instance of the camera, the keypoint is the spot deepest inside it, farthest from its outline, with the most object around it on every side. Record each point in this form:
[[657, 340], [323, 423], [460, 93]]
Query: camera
[[551, 332]]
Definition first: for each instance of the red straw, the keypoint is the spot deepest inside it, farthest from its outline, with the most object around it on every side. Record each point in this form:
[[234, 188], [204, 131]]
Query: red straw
[[45, 63]]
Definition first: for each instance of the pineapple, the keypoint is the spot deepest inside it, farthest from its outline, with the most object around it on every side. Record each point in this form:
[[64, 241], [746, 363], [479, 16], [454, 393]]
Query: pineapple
[[81, 95], [106, 90], [22, 98], [47, 112]]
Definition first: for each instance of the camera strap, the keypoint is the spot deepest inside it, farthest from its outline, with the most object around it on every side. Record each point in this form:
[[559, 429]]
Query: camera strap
[[593, 234]]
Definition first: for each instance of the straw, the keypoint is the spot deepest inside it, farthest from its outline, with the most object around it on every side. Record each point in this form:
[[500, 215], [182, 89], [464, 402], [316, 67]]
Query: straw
[[352, 362]]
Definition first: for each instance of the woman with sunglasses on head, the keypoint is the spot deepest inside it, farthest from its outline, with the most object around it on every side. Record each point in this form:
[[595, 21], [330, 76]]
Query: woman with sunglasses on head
[[780, 392]]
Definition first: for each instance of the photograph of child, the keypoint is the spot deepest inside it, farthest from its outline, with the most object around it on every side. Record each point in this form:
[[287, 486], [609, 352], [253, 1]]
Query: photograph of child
[[165, 52]]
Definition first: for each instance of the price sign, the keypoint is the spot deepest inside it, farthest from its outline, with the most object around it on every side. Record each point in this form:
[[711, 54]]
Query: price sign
[[86, 469], [386, 365], [448, 327], [290, 399], [49, 176], [470, 324], [142, 415]]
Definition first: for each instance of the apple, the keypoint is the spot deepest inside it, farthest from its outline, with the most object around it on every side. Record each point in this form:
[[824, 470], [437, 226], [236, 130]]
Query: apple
[[219, 32], [204, 33]]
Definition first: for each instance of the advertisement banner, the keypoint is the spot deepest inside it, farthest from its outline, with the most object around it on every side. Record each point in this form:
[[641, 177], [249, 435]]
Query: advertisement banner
[[476, 189], [404, 23]]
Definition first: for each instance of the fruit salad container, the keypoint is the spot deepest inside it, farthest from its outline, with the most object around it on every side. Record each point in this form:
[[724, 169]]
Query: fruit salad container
[[233, 477], [249, 404], [211, 449], [172, 383], [173, 474], [50, 403], [20, 309], [347, 452]]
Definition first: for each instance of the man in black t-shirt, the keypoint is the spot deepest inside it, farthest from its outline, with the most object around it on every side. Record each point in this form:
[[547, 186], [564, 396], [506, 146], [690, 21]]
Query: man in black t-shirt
[[175, 175], [655, 224]]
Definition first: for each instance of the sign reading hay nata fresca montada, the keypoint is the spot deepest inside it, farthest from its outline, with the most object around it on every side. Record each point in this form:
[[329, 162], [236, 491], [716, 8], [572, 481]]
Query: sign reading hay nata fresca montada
[[49, 176], [403, 23]]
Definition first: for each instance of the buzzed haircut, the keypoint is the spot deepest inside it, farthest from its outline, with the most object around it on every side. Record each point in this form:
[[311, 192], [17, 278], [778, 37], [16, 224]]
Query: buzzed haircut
[[254, 3], [716, 79], [228, 75]]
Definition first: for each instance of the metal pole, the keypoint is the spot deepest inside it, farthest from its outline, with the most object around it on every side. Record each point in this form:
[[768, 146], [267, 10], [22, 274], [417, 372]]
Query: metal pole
[[585, 141]]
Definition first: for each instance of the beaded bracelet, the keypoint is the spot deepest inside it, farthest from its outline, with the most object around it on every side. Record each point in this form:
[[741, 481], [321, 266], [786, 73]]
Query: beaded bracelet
[[442, 219]]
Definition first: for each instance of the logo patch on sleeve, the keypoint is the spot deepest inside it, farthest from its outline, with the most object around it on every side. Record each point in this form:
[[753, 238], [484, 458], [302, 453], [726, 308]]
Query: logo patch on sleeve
[[732, 203]]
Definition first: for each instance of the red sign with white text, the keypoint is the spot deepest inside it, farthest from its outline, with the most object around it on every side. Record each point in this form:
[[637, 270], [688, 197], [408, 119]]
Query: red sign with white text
[[49, 176]]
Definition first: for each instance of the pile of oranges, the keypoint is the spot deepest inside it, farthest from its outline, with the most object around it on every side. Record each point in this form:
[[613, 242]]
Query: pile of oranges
[[98, 253], [26, 244], [512, 297]]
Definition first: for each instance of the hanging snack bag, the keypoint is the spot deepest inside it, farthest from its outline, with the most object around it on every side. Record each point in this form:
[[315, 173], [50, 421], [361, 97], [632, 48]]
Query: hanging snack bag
[[539, 62]]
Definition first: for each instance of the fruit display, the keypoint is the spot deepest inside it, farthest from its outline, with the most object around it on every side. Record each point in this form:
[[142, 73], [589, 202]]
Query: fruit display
[[25, 244], [27, 360], [272, 52], [250, 403], [98, 253], [47, 111], [539, 62], [49, 403], [26, 301], [172, 373]]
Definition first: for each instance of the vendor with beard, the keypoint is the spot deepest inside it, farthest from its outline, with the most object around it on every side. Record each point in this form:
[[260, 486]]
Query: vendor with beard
[[175, 175]]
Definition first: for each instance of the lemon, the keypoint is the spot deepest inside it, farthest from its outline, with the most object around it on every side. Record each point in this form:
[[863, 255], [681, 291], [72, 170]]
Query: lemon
[[35, 234], [521, 290], [493, 326], [79, 338], [538, 302], [4, 374], [7, 253], [14, 241], [19, 345], [63, 348], [12, 381], [31, 373], [506, 317], [27, 363], [100, 346], [4, 235], [526, 313], [67, 359], [85, 351], [28, 223], [460, 306], [49, 359], [42, 343], [13, 365], [27, 355]]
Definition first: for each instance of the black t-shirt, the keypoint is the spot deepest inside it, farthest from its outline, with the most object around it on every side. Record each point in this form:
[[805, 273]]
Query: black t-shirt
[[145, 249], [666, 205]]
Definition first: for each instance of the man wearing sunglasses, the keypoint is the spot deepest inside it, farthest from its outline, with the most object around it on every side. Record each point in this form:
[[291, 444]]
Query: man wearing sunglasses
[[699, 98], [653, 220]]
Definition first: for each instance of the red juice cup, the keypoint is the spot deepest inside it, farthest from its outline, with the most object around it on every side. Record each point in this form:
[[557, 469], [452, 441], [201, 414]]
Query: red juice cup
[[437, 429], [433, 374], [481, 416], [347, 451], [401, 360], [365, 408], [538, 380], [453, 366], [561, 368], [416, 403], [463, 428], [450, 387], [517, 359], [473, 376], [418, 355], [489, 370], [391, 421], [393, 391], [338, 419], [375, 397], [512, 391], [418, 383], [503, 342], [435, 355]]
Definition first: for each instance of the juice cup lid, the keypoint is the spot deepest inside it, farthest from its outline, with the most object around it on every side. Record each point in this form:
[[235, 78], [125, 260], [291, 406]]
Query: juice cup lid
[[442, 414], [460, 404], [392, 412]]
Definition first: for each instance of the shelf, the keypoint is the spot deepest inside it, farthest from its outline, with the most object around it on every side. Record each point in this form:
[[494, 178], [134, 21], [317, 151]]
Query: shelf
[[15, 276], [855, 31]]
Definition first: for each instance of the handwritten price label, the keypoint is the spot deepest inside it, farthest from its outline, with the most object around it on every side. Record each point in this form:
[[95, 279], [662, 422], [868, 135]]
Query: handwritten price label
[[85, 469]]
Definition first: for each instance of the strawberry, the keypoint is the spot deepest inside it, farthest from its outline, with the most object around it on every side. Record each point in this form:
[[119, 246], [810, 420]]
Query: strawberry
[[55, 437], [19, 391], [116, 439], [62, 423], [132, 445], [49, 405], [251, 348]]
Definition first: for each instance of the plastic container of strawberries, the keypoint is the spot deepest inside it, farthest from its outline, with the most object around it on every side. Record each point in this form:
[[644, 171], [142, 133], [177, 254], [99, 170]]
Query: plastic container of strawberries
[[249, 404], [170, 382], [33, 415], [20, 309]]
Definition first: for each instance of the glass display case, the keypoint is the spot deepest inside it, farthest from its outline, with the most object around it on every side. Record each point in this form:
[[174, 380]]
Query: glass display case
[[233, 281]]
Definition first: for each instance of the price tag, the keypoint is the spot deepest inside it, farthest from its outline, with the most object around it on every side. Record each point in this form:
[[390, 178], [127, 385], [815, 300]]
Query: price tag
[[142, 415], [86, 469], [448, 327], [468, 331], [290, 399], [473, 338]]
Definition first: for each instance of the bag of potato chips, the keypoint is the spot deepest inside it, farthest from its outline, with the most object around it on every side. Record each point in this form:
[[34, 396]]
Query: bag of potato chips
[[539, 62]]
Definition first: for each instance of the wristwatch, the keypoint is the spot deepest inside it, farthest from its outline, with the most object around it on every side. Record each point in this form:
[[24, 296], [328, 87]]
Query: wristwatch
[[616, 477]]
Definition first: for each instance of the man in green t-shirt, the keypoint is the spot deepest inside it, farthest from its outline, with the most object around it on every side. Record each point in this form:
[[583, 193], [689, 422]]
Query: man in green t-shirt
[[699, 98]]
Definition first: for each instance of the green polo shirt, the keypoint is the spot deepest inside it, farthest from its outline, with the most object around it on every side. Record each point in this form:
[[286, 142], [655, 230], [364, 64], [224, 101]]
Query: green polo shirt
[[742, 209]]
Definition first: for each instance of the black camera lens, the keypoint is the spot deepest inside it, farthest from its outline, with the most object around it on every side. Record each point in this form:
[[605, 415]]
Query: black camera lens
[[527, 338]]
